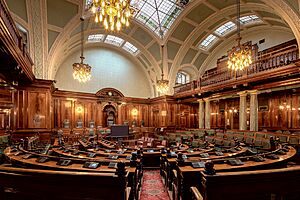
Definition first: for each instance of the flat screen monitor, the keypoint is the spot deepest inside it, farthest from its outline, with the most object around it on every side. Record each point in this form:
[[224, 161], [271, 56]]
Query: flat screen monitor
[[119, 130]]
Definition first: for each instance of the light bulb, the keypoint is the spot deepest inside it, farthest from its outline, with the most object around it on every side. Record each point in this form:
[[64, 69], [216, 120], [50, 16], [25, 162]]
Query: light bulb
[[97, 18], [94, 9]]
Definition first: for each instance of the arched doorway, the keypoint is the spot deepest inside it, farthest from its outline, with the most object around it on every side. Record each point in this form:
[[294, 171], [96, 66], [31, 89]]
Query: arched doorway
[[109, 115]]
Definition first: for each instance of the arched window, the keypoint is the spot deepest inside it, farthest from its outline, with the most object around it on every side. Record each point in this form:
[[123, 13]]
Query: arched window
[[182, 78]]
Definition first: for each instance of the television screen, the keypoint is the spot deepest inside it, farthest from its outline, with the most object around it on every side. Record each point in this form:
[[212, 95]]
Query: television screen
[[119, 130]]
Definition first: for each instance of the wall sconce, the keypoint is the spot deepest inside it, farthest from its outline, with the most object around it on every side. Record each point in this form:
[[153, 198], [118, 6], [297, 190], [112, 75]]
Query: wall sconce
[[164, 113], [79, 109], [134, 112]]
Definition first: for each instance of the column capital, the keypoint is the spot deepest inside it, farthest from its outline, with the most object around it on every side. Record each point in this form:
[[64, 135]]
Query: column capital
[[200, 100], [207, 99], [242, 93], [251, 92]]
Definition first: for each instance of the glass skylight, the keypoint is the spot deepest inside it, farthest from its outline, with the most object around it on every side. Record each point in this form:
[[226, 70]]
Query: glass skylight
[[225, 28], [146, 13], [130, 48], [168, 11], [96, 38], [249, 19], [208, 41], [114, 40]]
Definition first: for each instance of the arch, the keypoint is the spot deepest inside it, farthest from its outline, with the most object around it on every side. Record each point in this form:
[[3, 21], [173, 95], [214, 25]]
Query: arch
[[251, 7], [109, 115], [100, 59], [109, 92]]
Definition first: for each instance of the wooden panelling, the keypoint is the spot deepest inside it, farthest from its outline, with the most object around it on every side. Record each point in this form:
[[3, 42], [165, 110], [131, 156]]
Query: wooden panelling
[[37, 109]]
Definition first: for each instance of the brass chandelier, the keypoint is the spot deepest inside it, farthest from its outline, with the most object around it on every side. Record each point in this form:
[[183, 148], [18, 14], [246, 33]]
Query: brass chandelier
[[82, 71], [112, 13], [162, 85], [240, 56]]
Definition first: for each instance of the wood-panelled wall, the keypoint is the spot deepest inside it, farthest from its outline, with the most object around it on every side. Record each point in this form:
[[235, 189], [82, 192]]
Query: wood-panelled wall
[[40, 108], [276, 111], [158, 112]]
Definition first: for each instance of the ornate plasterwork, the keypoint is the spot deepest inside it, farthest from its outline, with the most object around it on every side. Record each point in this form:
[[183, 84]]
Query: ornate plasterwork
[[38, 59], [288, 14]]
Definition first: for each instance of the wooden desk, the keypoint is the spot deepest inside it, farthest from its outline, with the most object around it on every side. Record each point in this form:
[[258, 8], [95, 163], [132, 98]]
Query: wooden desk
[[61, 185], [189, 176]]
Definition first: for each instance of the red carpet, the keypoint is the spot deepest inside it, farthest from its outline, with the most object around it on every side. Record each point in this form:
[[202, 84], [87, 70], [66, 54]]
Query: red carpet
[[153, 187]]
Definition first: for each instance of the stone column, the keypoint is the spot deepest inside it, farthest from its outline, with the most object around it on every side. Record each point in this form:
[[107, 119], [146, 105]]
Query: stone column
[[243, 111], [201, 113], [253, 111], [207, 113]]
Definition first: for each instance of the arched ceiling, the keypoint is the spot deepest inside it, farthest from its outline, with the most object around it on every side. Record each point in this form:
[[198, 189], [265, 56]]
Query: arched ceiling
[[58, 35]]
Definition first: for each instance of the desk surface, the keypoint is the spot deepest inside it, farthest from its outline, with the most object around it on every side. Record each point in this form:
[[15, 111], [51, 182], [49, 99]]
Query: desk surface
[[247, 164], [51, 164]]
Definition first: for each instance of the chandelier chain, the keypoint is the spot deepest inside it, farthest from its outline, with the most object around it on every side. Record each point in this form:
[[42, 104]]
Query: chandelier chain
[[82, 71], [238, 3]]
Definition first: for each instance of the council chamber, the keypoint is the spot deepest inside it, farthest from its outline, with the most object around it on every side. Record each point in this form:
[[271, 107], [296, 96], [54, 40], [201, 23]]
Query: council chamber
[[149, 100]]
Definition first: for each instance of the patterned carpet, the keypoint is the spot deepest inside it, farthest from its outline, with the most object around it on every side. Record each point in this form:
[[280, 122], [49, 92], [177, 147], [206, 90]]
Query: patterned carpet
[[153, 187]]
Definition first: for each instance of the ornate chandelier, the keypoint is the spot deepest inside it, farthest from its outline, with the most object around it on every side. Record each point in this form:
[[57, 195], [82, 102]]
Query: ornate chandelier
[[82, 71], [112, 13], [162, 85], [240, 56]]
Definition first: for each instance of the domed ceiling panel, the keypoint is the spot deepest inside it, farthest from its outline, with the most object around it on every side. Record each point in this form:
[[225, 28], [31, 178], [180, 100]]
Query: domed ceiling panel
[[173, 48], [189, 56], [18, 8], [155, 51], [199, 38], [200, 13], [268, 14], [183, 30], [276, 23], [294, 4], [200, 59], [141, 36], [220, 4], [60, 12], [52, 35]]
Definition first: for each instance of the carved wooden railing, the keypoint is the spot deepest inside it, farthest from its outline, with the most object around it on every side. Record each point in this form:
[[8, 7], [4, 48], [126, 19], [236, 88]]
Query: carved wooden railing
[[264, 61], [186, 87], [12, 39]]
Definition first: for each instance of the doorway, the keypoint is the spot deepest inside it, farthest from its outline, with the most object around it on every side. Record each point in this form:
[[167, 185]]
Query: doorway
[[109, 115]]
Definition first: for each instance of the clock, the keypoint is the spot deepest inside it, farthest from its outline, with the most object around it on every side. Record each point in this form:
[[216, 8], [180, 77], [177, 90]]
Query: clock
[[109, 93]]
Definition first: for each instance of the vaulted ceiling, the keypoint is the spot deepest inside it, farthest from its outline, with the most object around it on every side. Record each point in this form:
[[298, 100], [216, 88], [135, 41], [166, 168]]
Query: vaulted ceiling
[[54, 32]]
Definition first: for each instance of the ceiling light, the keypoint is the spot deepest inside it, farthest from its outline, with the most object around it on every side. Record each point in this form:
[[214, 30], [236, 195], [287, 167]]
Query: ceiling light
[[82, 71], [240, 56], [113, 14]]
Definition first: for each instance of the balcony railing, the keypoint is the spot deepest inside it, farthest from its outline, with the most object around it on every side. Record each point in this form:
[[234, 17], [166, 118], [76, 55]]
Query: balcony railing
[[12, 39], [264, 61]]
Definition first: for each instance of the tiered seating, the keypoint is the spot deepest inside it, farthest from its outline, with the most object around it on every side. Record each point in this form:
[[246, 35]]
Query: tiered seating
[[48, 184]]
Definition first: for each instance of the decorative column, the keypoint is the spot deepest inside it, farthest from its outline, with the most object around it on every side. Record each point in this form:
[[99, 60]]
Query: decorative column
[[207, 113], [119, 119], [253, 111], [201, 113], [38, 24], [243, 111]]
